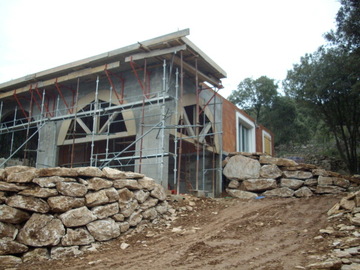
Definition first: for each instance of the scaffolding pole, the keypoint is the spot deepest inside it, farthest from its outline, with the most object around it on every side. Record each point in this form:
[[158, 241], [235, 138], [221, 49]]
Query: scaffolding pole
[[176, 123], [95, 120], [74, 121]]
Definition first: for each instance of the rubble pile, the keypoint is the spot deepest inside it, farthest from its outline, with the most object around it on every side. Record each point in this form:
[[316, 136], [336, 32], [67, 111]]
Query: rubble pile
[[253, 174], [56, 212]]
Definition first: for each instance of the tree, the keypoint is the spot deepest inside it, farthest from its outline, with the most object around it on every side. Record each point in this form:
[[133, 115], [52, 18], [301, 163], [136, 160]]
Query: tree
[[254, 95]]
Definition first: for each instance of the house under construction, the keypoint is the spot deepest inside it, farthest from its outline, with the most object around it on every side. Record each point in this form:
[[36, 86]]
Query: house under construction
[[152, 107]]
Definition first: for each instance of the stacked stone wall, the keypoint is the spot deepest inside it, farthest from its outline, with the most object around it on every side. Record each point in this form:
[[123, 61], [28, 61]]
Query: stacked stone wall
[[252, 175], [46, 213]]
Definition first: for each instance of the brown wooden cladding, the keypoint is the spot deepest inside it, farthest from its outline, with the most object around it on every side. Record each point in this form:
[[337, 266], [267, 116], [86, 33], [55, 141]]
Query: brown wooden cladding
[[229, 126]]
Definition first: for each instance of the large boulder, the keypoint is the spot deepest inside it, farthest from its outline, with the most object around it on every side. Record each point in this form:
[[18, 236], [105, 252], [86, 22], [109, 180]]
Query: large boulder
[[77, 217], [270, 171], [41, 230], [12, 215], [28, 203], [97, 183], [102, 197], [104, 211], [158, 192], [242, 168], [65, 203], [104, 229], [71, 189], [147, 183], [113, 173], [241, 194], [25, 176], [259, 184]]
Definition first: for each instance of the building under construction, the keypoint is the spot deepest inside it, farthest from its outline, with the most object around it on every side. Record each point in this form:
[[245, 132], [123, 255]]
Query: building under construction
[[152, 107]]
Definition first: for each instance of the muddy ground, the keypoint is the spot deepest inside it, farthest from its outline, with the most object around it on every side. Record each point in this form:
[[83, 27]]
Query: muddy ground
[[226, 233]]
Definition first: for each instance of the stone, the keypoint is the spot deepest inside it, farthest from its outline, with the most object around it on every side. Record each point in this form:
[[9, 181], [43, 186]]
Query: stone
[[105, 211], [311, 182], [270, 171], [89, 171], [2, 174], [357, 199], [48, 182], [8, 247], [97, 183], [4, 186], [298, 174], [234, 184], [127, 183], [241, 194], [118, 217], [133, 175], [37, 254], [10, 260], [124, 226], [242, 168], [125, 195], [22, 176], [77, 237], [320, 172], [158, 192], [303, 192], [8, 231], [325, 181], [150, 213], [39, 192], [341, 182], [150, 202], [355, 221], [62, 204], [28, 203], [71, 189], [141, 196], [135, 218], [347, 204], [104, 229], [328, 189], [259, 184], [124, 246], [284, 162], [113, 173], [12, 215], [77, 217], [2, 197], [283, 192], [41, 230], [147, 183], [333, 264], [63, 252], [102, 197], [162, 207], [128, 208], [291, 183], [16, 169], [57, 171]]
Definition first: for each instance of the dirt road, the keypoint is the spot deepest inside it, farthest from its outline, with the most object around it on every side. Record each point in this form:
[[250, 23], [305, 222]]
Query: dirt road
[[218, 234]]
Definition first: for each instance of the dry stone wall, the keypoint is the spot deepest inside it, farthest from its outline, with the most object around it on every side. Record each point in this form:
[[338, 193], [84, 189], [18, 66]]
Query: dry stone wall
[[252, 175], [60, 211]]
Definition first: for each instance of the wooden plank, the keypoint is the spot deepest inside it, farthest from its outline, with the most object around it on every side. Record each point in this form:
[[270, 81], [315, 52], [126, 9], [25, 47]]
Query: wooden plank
[[70, 76], [155, 53]]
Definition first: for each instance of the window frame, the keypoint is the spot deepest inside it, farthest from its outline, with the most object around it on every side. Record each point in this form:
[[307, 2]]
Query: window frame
[[250, 126]]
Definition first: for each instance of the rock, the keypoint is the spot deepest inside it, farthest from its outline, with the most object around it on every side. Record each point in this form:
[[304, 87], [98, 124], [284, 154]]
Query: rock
[[163, 207], [103, 230], [124, 226], [141, 196], [57, 171], [77, 237], [298, 174], [234, 184], [10, 260], [37, 254], [242, 168], [333, 264], [311, 182], [71, 189], [41, 230], [325, 181], [2, 174], [48, 182], [77, 217], [97, 183], [105, 211], [124, 246], [270, 171], [329, 189], [39, 192], [357, 199], [125, 195], [113, 173], [135, 218], [320, 172], [128, 208], [279, 192], [334, 210], [259, 184], [150, 202], [8, 231], [291, 183], [133, 175], [2, 197], [341, 182], [16, 169], [61, 252], [102, 197], [12, 215], [303, 192], [8, 247], [118, 217], [284, 162], [22, 177], [347, 204], [150, 213], [28, 203], [355, 221], [158, 192], [147, 183], [65, 203], [127, 183], [241, 194], [89, 171], [4, 186]]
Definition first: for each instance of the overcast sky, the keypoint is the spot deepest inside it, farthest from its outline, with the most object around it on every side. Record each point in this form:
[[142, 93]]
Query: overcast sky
[[246, 38]]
